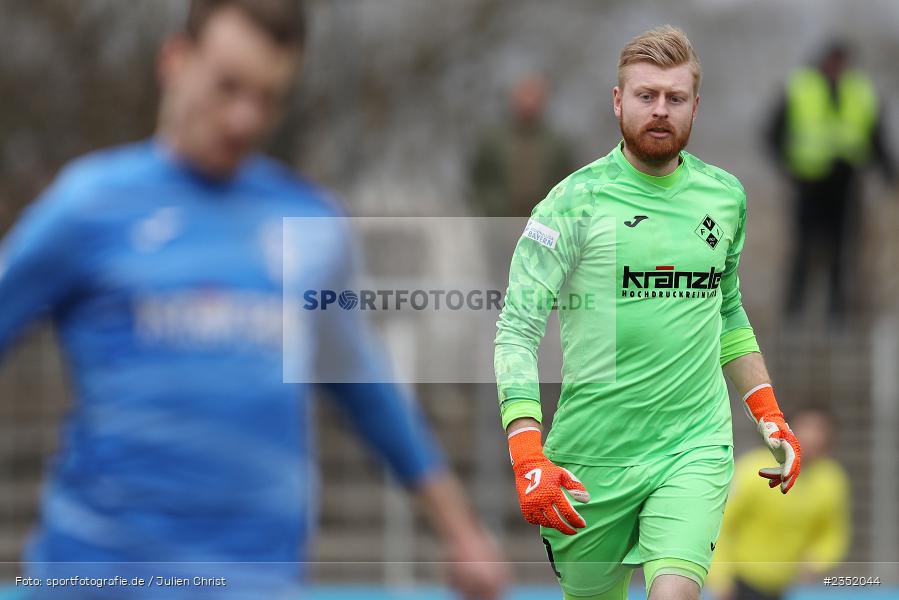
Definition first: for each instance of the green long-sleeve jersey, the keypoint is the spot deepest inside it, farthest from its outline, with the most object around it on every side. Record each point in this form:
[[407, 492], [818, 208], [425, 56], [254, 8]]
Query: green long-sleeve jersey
[[643, 272]]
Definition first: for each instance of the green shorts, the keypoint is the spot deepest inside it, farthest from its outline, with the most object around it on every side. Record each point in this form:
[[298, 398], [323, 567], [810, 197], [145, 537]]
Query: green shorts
[[670, 508]]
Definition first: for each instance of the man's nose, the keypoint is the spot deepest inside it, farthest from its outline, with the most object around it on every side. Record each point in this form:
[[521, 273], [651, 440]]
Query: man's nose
[[660, 108], [246, 118]]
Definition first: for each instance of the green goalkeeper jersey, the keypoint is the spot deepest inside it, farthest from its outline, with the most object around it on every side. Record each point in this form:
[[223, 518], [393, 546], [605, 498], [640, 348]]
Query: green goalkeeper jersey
[[643, 272]]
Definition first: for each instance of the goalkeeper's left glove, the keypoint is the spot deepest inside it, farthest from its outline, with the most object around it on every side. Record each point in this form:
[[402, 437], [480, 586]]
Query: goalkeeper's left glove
[[761, 406]]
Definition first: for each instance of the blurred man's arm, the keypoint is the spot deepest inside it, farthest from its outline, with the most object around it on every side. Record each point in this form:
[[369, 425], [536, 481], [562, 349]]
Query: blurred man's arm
[[351, 364], [476, 566], [396, 431], [392, 425], [563, 159], [880, 146], [38, 267], [487, 179], [775, 133]]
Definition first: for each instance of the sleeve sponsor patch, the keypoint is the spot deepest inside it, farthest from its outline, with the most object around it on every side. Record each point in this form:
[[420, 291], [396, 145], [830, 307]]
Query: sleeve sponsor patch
[[541, 233]]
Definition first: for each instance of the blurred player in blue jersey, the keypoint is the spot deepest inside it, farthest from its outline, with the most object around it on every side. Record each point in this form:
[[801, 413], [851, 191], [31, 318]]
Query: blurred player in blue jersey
[[160, 265]]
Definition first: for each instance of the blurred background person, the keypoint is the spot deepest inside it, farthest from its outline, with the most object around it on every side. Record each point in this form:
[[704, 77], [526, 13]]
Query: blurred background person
[[160, 264], [769, 543], [826, 127], [515, 165]]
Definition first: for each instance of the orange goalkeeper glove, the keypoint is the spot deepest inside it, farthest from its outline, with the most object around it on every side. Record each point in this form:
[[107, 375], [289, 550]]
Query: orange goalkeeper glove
[[761, 406], [540, 484]]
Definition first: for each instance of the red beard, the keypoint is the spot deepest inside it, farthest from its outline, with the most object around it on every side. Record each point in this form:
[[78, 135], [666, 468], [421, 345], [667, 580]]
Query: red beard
[[654, 151]]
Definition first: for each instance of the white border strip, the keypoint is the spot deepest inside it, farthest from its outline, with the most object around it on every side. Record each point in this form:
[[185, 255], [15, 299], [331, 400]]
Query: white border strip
[[755, 389], [522, 430]]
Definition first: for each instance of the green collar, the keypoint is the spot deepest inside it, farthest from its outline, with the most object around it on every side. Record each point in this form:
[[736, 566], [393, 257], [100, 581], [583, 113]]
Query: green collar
[[666, 181]]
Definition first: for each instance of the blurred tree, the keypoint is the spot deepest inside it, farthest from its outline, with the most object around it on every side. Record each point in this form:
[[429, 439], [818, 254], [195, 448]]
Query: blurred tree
[[74, 76]]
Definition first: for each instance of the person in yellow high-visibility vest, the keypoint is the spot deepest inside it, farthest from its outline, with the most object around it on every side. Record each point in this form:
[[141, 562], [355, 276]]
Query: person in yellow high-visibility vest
[[813, 521], [827, 126]]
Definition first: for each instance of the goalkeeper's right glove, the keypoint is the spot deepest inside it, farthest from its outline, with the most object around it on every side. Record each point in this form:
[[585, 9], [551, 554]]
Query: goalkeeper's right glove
[[540, 484]]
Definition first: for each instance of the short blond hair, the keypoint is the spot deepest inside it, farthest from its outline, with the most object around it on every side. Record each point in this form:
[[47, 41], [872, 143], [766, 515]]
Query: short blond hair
[[664, 47]]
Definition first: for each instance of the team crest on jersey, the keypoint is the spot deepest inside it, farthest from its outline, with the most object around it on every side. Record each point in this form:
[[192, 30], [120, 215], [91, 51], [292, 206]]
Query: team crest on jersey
[[710, 232], [157, 230]]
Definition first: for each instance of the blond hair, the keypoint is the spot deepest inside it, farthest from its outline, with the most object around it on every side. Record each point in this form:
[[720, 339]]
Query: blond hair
[[663, 47]]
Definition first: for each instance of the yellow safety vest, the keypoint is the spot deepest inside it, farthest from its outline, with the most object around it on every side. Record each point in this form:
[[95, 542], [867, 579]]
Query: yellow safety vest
[[820, 132]]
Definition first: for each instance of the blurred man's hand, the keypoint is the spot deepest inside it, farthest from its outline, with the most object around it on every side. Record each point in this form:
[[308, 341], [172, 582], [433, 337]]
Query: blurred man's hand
[[477, 569], [808, 575]]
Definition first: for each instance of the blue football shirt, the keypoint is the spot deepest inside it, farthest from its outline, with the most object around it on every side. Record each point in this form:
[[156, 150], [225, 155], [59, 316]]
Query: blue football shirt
[[165, 288]]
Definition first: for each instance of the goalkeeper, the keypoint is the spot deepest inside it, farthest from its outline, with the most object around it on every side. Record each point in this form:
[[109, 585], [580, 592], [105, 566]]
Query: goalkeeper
[[647, 239]]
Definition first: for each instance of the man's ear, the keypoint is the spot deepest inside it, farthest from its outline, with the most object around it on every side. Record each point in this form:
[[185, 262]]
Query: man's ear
[[616, 101], [695, 107], [172, 58]]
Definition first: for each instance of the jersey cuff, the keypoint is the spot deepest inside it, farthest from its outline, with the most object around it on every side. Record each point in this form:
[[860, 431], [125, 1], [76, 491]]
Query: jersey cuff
[[519, 409], [514, 392], [736, 343]]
